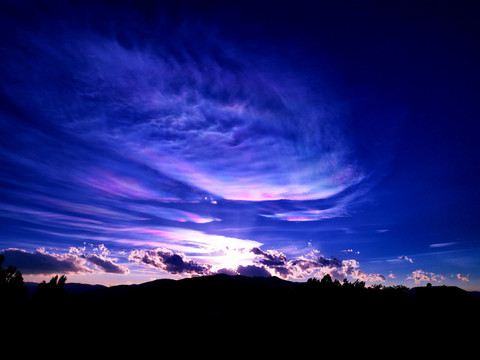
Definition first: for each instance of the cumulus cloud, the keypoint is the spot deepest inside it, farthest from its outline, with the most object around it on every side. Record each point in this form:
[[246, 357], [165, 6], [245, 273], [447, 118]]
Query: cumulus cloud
[[462, 277], [420, 276], [252, 270], [106, 265], [311, 264], [42, 262], [170, 262], [76, 261]]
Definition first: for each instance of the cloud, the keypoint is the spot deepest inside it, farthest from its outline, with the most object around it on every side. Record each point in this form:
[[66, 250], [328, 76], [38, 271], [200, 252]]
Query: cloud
[[401, 258], [351, 268], [311, 264], [42, 262], [252, 270], [170, 213], [462, 277], [308, 215], [76, 261], [442, 244], [169, 262], [405, 258], [213, 130], [351, 251], [270, 257], [422, 276], [106, 265]]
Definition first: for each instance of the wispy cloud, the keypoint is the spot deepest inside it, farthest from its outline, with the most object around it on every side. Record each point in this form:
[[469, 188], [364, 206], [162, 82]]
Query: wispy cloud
[[402, 258], [189, 125], [440, 245], [170, 213], [308, 214]]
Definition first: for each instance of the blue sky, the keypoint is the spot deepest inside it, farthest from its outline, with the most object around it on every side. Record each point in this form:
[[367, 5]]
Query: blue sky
[[294, 139]]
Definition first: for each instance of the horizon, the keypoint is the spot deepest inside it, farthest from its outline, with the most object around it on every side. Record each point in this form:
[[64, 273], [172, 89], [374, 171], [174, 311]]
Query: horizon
[[298, 281], [164, 140]]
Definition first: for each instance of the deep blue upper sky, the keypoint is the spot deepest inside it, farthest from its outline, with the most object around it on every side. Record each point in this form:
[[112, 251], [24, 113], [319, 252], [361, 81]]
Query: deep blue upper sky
[[141, 140]]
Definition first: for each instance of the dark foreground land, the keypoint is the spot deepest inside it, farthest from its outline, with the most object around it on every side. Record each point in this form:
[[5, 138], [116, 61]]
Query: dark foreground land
[[222, 301], [235, 316]]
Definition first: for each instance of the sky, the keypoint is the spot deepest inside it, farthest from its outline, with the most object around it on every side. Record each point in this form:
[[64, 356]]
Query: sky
[[170, 139]]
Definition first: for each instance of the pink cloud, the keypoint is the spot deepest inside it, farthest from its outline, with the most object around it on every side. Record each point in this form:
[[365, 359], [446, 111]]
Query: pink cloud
[[422, 276]]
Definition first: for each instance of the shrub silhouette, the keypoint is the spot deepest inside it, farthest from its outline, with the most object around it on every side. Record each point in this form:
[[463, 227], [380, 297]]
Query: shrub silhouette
[[12, 289]]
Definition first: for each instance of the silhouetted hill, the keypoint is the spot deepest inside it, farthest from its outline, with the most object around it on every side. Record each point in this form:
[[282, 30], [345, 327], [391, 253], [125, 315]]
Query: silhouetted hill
[[223, 303], [439, 291], [231, 298], [70, 288]]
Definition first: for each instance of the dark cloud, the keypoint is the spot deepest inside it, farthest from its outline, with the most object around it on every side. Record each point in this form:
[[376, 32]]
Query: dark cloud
[[279, 263], [168, 261], [332, 262], [107, 265], [252, 270], [40, 262], [227, 271], [270, 258]]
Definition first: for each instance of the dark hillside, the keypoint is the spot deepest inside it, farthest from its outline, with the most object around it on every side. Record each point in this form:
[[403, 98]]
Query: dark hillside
[[224, 298], [224, 303]]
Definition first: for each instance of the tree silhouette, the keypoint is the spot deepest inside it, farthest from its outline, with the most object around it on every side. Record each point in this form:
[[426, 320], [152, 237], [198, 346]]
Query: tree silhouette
[[326, 281], [12, 288], [51, 292]]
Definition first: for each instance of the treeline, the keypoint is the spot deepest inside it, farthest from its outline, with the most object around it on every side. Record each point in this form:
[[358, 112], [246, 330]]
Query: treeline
[[358, 286], [13, 290]]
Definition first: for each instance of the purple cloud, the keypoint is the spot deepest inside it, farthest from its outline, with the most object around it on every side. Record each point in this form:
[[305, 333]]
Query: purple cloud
[[42, 262], [252, 270], [311, 264], [168, 261], [76, 261], [106, 265], [191, 127]]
